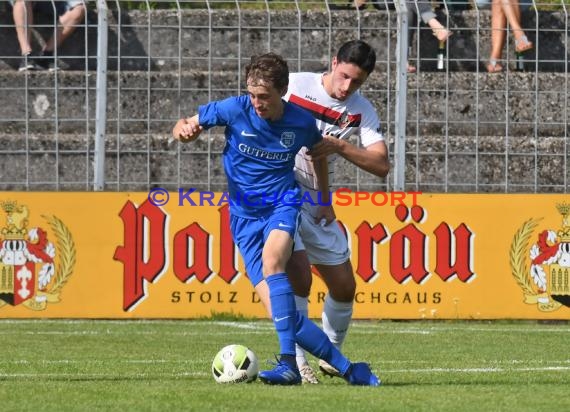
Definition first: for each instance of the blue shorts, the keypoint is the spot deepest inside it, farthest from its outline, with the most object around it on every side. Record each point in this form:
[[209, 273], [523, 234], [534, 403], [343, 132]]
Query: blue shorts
[[250, 236]]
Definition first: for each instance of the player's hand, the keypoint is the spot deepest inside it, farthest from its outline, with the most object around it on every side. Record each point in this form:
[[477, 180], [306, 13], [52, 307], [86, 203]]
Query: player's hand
[[187, 130], [325, 215], [325, 147]]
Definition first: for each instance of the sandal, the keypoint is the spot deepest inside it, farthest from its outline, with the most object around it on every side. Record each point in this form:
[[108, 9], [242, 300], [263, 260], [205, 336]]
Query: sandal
[[494, 66], [522, 44], [442, 34]]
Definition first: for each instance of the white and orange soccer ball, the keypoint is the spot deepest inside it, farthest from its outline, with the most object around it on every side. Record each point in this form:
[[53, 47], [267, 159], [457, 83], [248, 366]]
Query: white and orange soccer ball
[[234, 364]]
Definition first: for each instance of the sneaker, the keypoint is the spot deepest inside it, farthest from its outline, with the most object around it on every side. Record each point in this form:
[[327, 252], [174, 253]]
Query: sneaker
[[360, 374], [308, 374], [282, 374], [46, 61], [329, 370], [27, 63]]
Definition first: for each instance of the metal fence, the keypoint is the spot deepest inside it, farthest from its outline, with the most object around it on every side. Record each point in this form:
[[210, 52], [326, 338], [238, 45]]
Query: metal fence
[[131, 69]]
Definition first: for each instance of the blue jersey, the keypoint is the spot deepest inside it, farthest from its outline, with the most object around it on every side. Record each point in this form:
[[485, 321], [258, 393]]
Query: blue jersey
[[259, 155]]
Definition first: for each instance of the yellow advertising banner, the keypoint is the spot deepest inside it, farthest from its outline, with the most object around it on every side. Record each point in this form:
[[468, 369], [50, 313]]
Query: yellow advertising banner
[[436, 256]]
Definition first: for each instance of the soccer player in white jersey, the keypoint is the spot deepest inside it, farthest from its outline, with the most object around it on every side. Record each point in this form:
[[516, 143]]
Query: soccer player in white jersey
[[340, 112]]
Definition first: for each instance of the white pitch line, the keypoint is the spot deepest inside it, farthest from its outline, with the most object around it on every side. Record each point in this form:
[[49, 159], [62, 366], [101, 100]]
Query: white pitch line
[[360, 326], [492, 362], [365, 330], [249, 325], [203, 374], [261, 323], [478, 370], [98, 361], [143, 332], [100, 375], [557, 363]]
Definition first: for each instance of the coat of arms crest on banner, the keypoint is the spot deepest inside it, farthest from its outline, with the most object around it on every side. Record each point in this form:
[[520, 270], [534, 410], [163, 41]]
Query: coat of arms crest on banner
[[546, 280], [33, 270]]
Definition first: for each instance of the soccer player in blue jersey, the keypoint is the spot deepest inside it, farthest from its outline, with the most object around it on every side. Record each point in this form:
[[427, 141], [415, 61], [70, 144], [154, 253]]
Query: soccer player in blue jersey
[[263, 135], [342, 114]]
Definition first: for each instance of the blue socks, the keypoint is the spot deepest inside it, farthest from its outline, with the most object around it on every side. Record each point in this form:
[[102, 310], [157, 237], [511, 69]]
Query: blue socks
[[284, 312], [317, 343], [293, 327]]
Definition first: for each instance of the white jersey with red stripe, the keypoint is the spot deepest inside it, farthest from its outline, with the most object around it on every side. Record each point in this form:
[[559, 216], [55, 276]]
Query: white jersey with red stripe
[[340, 119]]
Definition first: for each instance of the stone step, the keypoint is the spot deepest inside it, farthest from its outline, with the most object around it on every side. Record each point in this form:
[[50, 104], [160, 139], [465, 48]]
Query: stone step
[[136, 162], [456, 103], [166, 40]]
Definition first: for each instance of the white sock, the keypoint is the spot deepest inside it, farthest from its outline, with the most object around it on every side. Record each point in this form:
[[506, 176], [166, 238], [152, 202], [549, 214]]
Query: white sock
[[336, 319], [303, 308]]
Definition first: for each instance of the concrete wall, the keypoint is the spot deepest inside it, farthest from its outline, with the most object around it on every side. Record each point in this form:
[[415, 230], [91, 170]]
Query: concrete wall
[[162, 48], [449, 99], [467, 130]]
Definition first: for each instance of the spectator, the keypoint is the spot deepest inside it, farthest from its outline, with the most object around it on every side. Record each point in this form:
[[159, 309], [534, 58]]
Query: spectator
[[503, 11], [69, 13], [424, 10], [415, 7]]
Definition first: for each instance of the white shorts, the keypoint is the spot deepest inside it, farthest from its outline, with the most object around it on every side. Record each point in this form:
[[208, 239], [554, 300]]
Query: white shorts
[[325, 245]]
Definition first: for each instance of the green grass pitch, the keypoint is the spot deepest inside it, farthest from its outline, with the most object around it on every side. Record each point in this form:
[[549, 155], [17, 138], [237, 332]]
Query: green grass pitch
[[101, 365]]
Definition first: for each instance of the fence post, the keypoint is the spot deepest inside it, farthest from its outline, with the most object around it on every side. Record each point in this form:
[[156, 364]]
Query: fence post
[[401, 96], [101, 97]]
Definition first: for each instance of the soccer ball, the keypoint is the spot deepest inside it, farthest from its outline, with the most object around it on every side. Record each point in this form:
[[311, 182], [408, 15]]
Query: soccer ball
[[234, 364]]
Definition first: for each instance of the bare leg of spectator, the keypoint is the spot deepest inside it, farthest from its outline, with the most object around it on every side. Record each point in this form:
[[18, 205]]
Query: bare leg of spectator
[[512, 12], [23, 18], [423, 9], [69, 22], [412, 28], [498, 35]]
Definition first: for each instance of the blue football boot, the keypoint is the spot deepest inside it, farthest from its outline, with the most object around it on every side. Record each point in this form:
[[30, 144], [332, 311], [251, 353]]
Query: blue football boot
[[360, 374], [282, 374]]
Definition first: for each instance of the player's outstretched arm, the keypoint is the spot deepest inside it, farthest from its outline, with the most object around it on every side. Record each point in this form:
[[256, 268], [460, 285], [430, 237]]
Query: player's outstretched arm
[[187, 129], [373, 159]]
